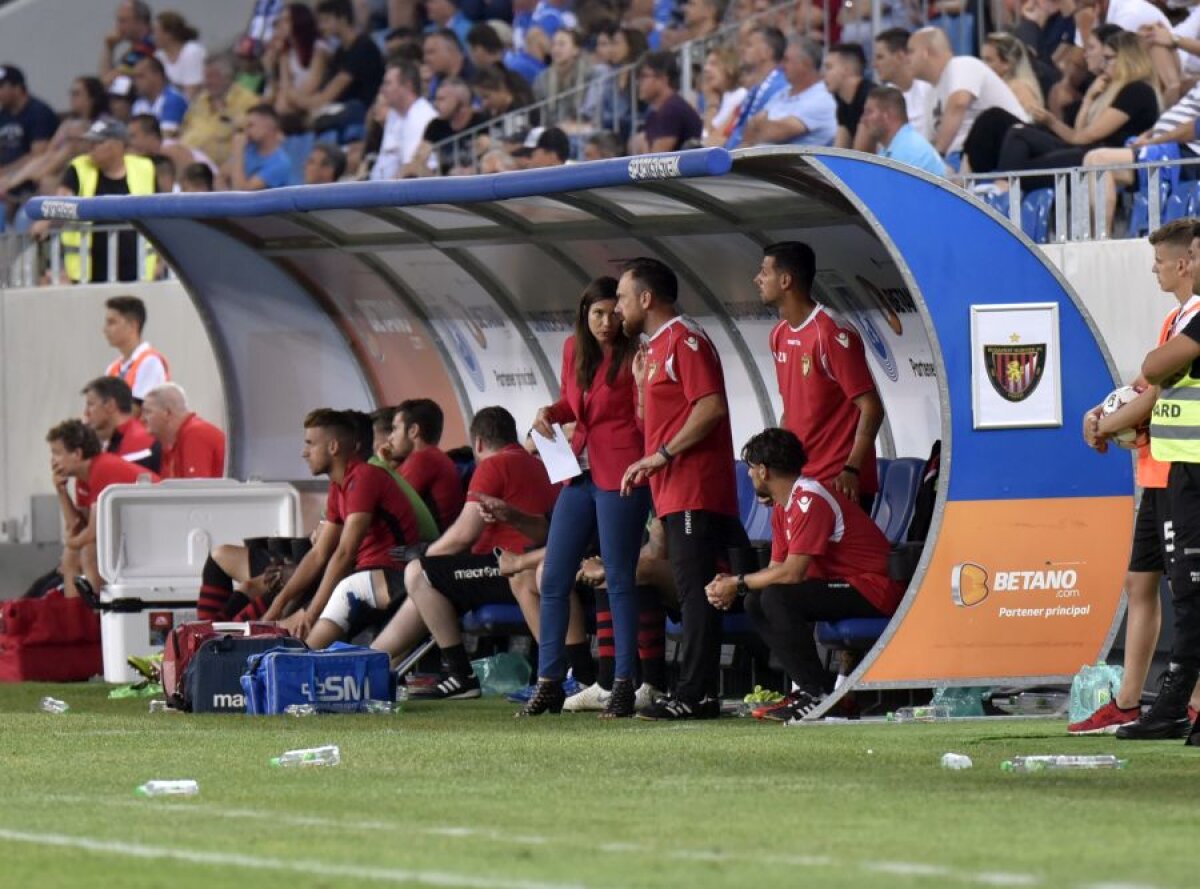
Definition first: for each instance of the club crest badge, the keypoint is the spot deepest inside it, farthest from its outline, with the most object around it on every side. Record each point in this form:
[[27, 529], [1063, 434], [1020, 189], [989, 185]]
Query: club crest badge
[[805, 364], [1015, 369]]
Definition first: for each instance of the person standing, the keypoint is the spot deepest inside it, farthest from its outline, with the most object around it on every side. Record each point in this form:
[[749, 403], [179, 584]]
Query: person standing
[[829, 398], [598, 396], [689, 463], [140, 365]]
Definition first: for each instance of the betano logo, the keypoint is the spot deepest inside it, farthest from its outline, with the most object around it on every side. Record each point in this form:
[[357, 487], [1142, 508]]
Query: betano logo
[[969, 583]]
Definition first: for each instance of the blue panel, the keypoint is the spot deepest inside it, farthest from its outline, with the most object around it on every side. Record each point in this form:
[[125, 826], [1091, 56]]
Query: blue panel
[[408, 192], [959, 255]]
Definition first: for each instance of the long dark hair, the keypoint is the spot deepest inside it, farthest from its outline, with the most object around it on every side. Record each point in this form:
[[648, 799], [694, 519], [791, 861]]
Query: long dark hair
[[588, 353], [304, 31], [97, 96]]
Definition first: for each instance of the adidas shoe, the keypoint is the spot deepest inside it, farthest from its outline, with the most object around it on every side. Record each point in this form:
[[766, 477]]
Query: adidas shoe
[[591, 698], [645, 696], [802, 704], [675, 709], [778, 711], [571, 685], [1105, 721], [450, 688], [521, 695]]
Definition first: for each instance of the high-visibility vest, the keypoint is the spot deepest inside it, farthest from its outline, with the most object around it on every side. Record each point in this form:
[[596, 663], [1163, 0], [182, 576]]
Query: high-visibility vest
[[1175, 424], [131, 372], [139, 174]]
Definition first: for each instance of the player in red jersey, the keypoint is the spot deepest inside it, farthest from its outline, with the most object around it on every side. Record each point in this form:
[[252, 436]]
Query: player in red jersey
[[829, 398], [689, 462], [416, 434]]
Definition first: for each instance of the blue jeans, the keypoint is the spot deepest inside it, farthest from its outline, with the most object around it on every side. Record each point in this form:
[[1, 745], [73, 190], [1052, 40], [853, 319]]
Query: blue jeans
[[581, 510]]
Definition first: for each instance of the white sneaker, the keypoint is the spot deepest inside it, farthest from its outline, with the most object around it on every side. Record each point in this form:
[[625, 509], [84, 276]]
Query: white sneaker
[[591, 698], [645, 696]]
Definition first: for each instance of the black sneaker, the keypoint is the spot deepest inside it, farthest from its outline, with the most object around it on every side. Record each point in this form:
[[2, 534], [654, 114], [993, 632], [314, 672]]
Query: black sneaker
[[803, 704], [450, 688], [1167, 718], [674, 709]]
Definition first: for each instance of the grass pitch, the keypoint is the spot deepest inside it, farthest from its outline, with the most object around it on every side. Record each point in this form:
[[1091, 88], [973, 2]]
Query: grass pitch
[[460, 794]]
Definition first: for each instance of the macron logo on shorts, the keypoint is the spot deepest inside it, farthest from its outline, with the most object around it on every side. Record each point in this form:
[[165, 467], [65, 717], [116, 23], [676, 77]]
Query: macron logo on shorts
[[476, 573]]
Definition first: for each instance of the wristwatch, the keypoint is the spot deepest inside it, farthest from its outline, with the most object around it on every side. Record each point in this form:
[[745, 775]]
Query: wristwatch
[[665, 454], [742, 589]]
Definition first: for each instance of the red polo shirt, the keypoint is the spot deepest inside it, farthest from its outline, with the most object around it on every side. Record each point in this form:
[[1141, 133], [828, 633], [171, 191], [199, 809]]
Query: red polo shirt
[[198, 452], [518, 478], [105, 470], [370, 489]]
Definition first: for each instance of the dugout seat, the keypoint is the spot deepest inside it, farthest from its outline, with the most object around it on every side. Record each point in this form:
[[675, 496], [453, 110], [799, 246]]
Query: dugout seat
[[898, 497]]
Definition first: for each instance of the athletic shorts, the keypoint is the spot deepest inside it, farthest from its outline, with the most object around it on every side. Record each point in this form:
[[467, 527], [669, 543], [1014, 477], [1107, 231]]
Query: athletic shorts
[[468, 581], [360, 601], [1149, 552]]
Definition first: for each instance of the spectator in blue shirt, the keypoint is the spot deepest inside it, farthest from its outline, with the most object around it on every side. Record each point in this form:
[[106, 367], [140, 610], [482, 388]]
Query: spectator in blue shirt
[[761, 57], [157, 97], [446, 14], [258, 159], [804, 113], [529, 61], [885, 117]]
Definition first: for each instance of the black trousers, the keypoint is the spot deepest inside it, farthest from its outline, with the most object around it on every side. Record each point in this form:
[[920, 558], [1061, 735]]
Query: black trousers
[[784, 617], [1182, 543], [698, 544], [1032, 148]]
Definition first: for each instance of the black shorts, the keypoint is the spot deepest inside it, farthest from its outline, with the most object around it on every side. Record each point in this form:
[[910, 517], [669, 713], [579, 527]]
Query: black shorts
[[1149, 552], [468, 581]]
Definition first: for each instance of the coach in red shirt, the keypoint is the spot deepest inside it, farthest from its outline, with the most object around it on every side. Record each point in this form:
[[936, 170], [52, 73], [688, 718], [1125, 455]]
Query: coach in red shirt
[[460, 570], [191, 447], [356, 557], [75, 453], [828, 562], [689, 462], [829, 397], [416, 434]]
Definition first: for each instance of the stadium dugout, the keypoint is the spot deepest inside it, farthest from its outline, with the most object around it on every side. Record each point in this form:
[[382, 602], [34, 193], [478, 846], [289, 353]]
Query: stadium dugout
[[463, 290]]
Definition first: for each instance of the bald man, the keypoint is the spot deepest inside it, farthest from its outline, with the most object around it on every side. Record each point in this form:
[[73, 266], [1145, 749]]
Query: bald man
[[191, 447], [963, 87]]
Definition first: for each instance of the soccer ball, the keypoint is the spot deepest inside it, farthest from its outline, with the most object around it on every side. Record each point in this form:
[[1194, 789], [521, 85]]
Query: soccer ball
[[1133, 437]]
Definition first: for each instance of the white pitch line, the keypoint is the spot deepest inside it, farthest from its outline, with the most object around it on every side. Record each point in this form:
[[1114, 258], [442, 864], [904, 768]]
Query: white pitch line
[[254, 862]]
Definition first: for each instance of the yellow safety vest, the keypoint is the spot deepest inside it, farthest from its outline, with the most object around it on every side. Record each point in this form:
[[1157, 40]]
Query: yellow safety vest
[[139, 174], [1175, 425]]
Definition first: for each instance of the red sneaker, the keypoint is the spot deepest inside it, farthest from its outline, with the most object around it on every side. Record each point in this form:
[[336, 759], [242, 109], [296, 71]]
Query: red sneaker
[[776, 712], [1105, 721]]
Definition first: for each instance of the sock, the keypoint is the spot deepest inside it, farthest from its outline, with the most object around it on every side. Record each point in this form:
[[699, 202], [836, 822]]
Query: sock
[[457, 661], [604, 640], [579, 656], [215, 589], [255, 610], [652, 638]]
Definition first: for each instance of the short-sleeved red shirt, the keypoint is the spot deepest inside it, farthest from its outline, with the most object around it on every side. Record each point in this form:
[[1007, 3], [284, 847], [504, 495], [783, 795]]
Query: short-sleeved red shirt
[[434, 476], [682, 366], [198, 452], [105, 470], [370, 489], [841, 539], [133, 442], [822, 367], [518, 478]]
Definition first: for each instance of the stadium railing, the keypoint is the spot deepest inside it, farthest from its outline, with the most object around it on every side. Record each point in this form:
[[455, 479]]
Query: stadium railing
[[26, 261]]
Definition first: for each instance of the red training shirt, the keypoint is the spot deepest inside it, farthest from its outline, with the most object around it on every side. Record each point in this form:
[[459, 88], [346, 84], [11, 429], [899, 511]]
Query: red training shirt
[[198, 452], [434, 476], [682, 366], [841, 539], [822, 367], [131, 441], [105, 470], [370, 489], [518, 478]]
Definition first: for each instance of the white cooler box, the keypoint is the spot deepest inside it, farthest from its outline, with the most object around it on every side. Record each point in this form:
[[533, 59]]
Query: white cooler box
[[152, 542]]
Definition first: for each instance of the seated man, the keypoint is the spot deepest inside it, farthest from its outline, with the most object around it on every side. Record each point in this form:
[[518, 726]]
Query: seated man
[[828, 562], [356, 556], [460, 571], [413, 444], [108, 410], [75, 453], [191, 447], [381, 456]]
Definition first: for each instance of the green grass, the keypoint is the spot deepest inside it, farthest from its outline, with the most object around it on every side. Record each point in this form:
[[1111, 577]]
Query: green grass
[[460, 794]]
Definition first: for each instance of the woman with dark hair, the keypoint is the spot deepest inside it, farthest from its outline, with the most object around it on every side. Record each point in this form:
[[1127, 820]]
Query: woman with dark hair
[[599, 397], [181, 53], [295, 60]]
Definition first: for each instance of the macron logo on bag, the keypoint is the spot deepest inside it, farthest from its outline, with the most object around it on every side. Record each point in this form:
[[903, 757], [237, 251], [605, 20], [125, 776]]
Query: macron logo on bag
[[229, 702]]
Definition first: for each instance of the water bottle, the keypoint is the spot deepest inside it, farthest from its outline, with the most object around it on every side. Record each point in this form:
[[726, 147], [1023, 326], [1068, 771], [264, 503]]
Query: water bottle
[[1061, 763], [168, 788], [956, 761], [328, 755], [53, 705], [300, 710], [383, 706], [159, 707], [928, 713]]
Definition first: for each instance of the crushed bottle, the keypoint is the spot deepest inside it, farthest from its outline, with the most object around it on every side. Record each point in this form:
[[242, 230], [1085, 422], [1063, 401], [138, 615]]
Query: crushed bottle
[[956, 761], [157, 706], [300, 710], [927, 713], [53, 705], [1062, 762], [168, 788], [329, 755], [387, 707]]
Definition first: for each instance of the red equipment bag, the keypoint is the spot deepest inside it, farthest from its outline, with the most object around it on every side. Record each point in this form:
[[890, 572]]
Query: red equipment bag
[[186, 639], [51, 639]]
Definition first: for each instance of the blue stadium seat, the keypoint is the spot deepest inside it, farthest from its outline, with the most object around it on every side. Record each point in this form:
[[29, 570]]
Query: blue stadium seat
[[853, 634], [731, 625], [1184, 201], [1035, 214], [298, 148], [881, 469], [496, 620], [898, 497], [756, 518], [1139, 214]]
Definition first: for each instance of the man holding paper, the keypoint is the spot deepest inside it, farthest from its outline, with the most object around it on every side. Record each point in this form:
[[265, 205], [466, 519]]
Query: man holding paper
[[599, 397]]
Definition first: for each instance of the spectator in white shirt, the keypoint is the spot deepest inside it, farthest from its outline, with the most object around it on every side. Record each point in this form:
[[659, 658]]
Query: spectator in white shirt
[[181, 54], [893, 67], [408, 115], [723, 96]]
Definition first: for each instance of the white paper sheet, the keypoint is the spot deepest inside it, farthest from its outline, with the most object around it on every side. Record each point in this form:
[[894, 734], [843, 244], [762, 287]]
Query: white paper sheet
[[557, 456]]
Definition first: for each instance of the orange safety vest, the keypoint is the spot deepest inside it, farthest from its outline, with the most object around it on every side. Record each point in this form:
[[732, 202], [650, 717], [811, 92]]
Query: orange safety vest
[[114, 369]]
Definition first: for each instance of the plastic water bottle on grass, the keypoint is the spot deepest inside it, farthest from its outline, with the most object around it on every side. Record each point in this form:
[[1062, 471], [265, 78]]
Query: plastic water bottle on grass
[[300, 710], [956, 761], [329, 755], [386, 707], [928, 713], [159, 707], [53, 705], [1061, 763], [168, 788]]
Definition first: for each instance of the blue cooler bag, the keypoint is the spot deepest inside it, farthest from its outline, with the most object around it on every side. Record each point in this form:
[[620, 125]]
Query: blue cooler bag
[[340, 679]]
